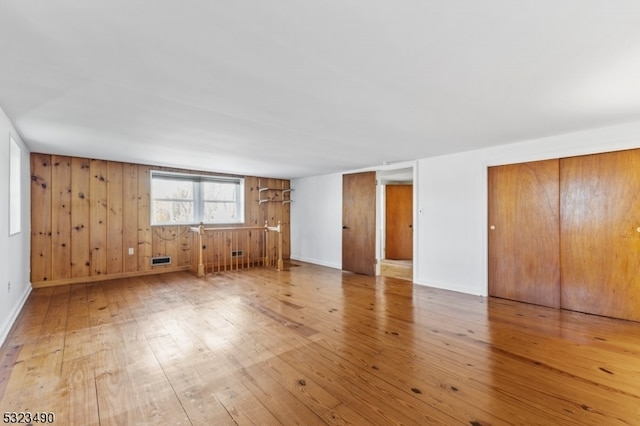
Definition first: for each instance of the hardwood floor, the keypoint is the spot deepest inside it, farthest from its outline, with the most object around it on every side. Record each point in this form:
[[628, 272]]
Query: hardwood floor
[[402, 269], [312, 345]]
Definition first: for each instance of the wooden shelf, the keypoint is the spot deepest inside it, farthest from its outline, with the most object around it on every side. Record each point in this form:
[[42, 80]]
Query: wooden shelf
[[284, 191]]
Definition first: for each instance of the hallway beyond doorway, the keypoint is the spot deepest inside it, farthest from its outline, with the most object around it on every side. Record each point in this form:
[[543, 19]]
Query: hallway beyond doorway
[[402, 269]]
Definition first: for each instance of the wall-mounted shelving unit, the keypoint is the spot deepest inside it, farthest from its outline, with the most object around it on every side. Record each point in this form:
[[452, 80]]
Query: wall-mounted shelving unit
[[274, 195]]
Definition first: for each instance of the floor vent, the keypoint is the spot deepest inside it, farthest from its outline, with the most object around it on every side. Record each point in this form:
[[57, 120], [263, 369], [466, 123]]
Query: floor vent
[[160, 260]]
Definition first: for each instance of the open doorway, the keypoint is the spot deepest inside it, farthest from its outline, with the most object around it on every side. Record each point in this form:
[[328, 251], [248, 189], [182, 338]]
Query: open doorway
[[396, 257]]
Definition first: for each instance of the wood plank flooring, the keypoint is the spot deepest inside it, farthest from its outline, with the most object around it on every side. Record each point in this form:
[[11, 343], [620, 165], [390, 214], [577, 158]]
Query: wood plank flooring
[[402, 269], [312, 345]]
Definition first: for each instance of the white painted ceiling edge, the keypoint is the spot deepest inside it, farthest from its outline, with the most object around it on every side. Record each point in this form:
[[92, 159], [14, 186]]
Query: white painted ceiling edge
[[293, 89]]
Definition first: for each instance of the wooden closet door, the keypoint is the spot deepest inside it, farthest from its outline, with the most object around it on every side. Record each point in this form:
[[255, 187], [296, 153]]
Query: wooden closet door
[[359, 223], [524, 232], [600, 249], [399, 222]]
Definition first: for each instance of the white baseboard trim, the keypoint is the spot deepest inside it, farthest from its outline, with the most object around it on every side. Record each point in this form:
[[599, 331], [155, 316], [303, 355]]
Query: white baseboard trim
[[317, 262], [6, 327], [448, 286]]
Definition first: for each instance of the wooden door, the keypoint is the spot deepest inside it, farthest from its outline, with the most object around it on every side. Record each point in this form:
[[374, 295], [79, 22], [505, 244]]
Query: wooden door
[[399, 222], [523, 231], [600, 234], [359, 223]]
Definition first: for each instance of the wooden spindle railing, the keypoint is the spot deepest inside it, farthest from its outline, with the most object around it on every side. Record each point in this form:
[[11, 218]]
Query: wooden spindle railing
[[236, 248]]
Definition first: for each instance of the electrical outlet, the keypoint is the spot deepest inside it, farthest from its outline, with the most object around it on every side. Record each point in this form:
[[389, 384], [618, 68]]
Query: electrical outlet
[[130, 250], [9, 287]]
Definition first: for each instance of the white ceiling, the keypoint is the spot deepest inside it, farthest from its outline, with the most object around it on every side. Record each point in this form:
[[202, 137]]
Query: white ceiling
[[292, 88]]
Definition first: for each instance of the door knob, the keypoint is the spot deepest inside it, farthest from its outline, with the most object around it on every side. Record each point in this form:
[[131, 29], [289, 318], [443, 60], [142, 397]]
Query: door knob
[[492, 227], [344, 227]]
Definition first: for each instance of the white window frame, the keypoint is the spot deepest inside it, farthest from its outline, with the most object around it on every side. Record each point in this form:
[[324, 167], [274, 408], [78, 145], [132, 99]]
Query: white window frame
[[198, 196], [15, 197]]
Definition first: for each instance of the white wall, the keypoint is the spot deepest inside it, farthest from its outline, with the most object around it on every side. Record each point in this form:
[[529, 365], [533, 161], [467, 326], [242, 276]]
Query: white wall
[[316, 220], [451, 203], [14, 250], [450, 223]]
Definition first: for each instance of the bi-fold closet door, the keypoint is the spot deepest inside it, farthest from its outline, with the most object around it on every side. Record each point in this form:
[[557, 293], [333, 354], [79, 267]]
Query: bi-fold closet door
[[566, 233]]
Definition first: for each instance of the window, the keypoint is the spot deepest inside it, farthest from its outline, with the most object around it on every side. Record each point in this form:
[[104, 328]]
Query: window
[[15, 201], [190, 199]]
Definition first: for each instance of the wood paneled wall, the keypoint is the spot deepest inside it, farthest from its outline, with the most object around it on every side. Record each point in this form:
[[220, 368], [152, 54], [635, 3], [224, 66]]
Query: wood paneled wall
[[87, 213]]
